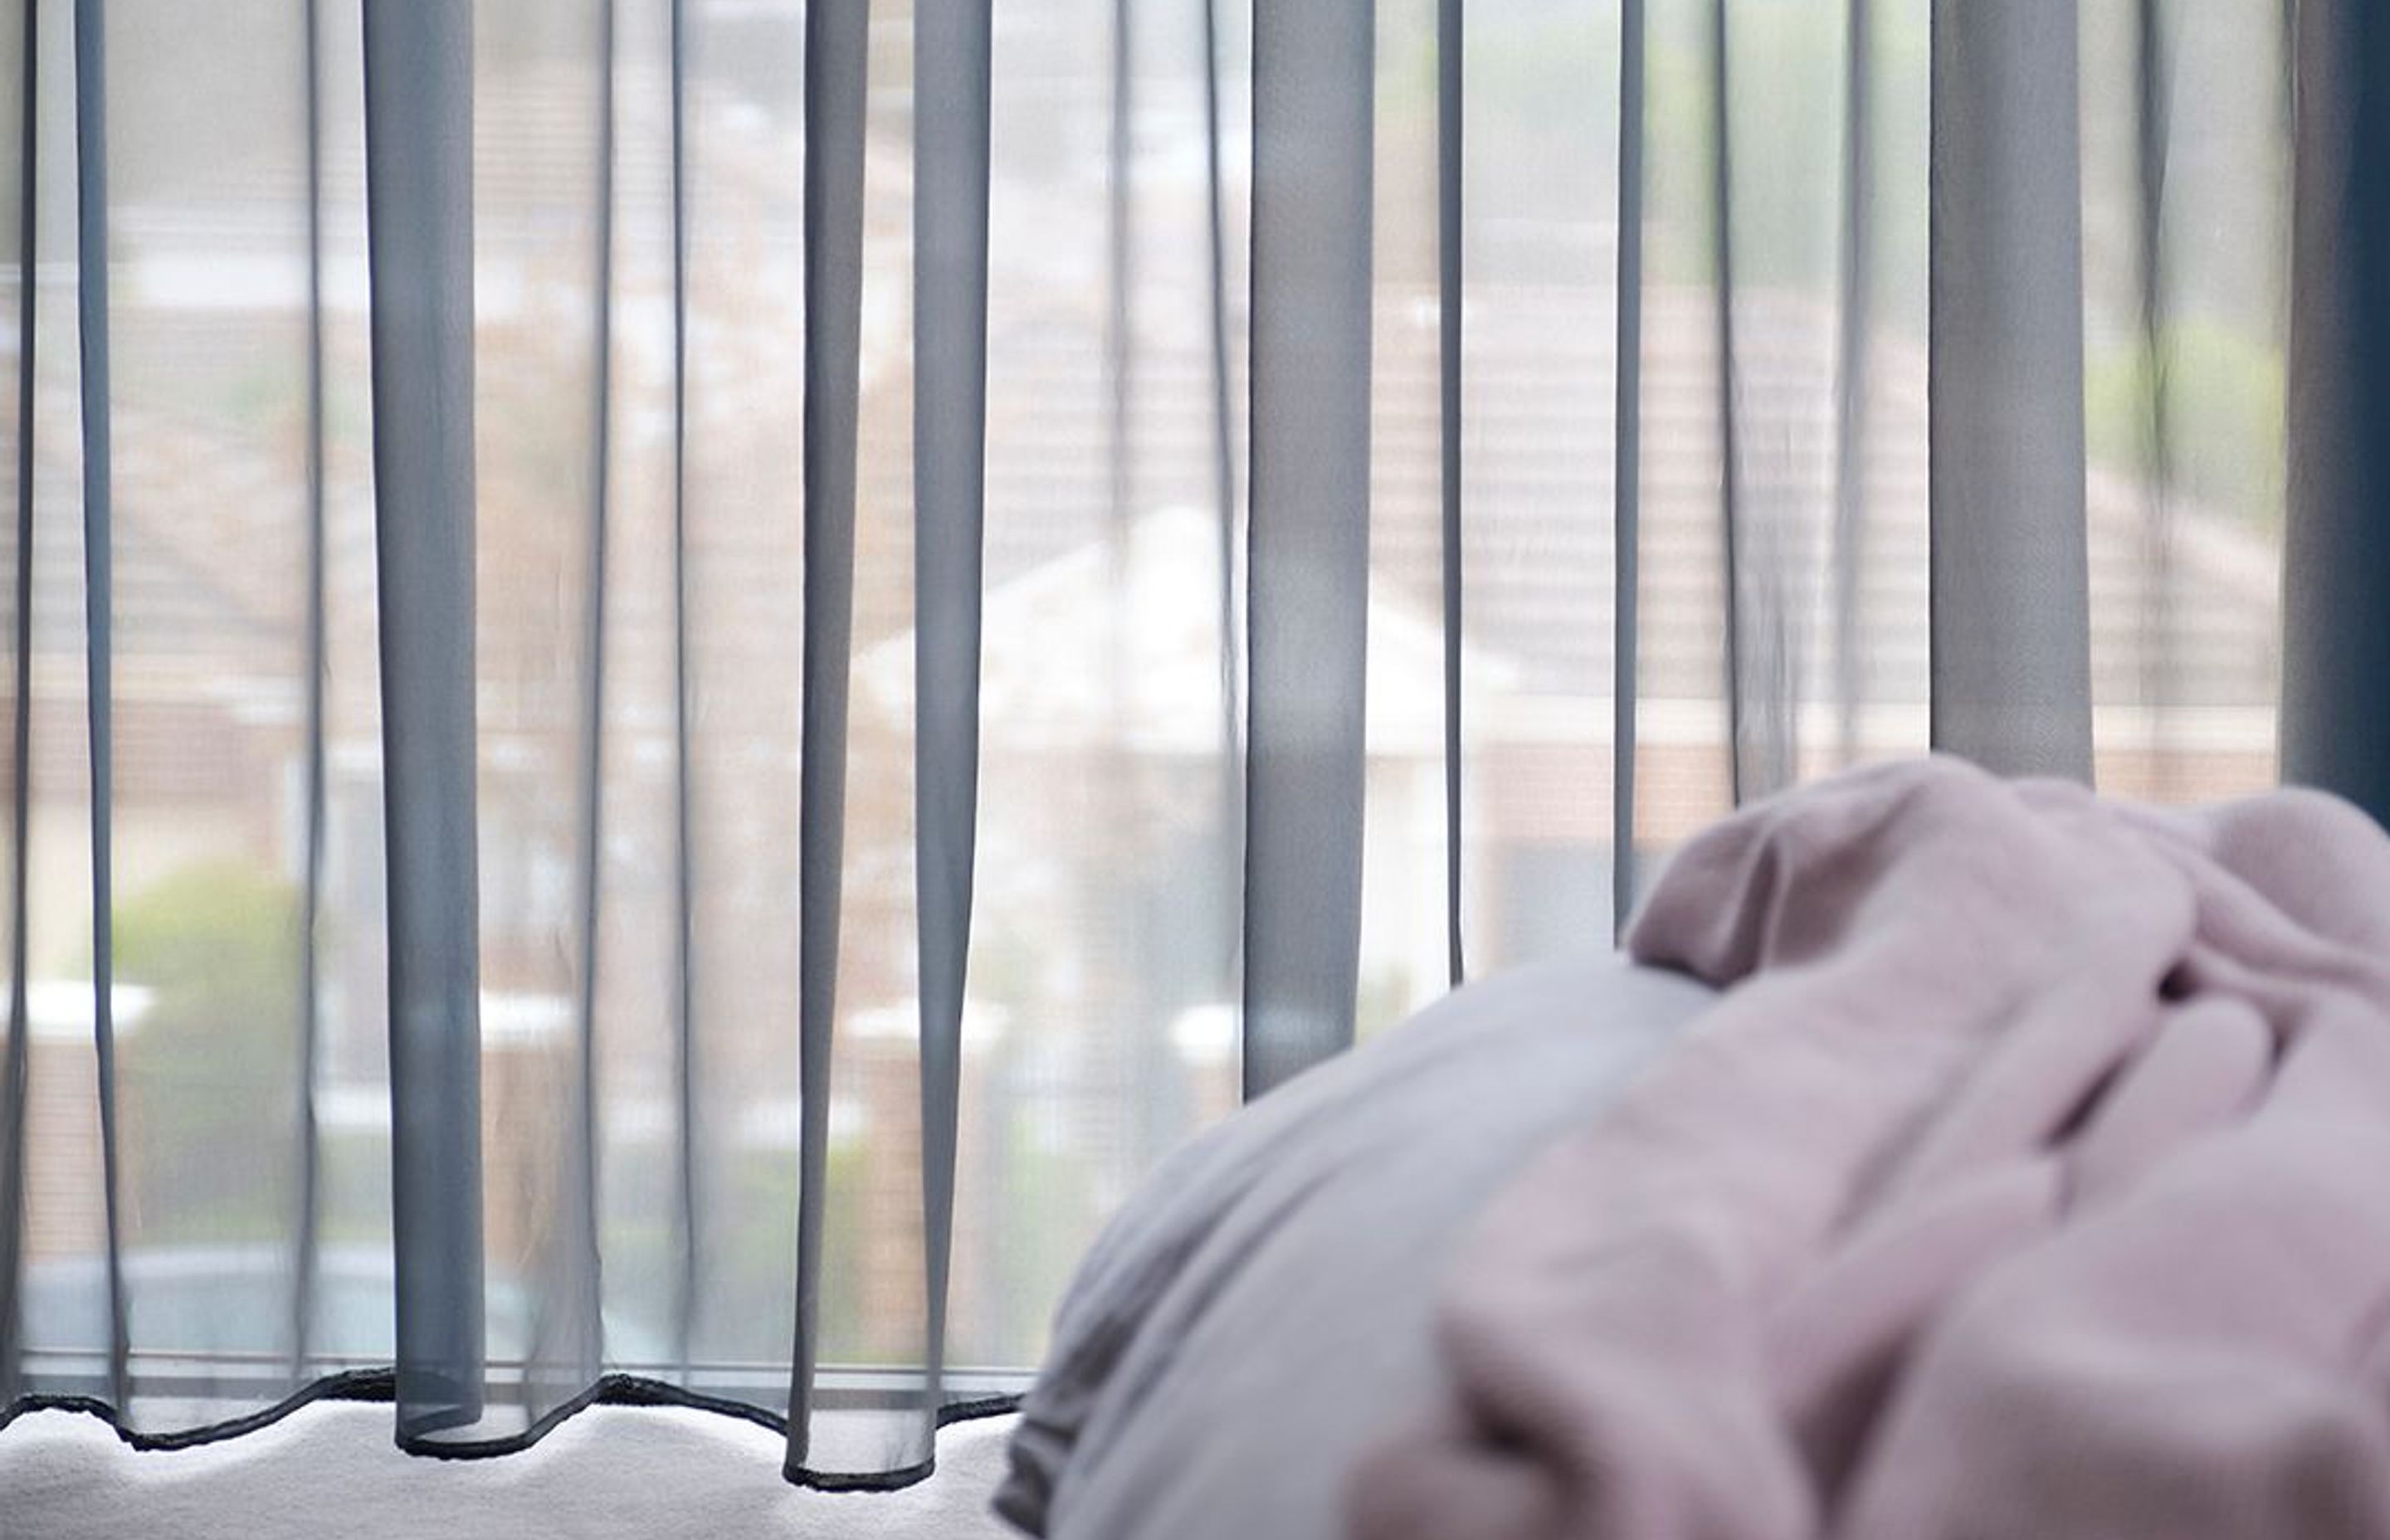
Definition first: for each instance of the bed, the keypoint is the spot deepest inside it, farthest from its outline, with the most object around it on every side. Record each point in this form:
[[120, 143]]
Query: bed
[[2013, 1170], [1317, 1221]]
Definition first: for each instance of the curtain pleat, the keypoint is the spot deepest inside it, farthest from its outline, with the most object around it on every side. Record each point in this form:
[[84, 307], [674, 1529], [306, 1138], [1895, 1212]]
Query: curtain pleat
[[307, 1202], [837, 57], [689, 1211], [1855, 302], [1145, 1073], [1751, 770], [91, 291], [15, 1068], [1626, 464], [2153, 100], [692, 676], [951, 62], [1229, 795], [578, 1348], [418, 94], [2336, 628], [1120, 296], [1450, 78], [1313, 76], [2012, 685]]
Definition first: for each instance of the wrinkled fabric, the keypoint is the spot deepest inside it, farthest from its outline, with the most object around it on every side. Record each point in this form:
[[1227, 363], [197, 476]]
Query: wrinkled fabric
[[1231, 1342], [2030, 1179]]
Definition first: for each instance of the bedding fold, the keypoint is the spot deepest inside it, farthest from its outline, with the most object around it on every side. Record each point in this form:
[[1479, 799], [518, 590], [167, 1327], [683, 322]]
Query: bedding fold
[[2028, 1180]]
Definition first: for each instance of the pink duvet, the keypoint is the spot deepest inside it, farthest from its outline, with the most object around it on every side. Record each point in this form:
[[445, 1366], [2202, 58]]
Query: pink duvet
[[2032, 1180]]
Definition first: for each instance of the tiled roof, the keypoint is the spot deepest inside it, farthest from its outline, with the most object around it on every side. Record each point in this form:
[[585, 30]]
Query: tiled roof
[[1537, 448]]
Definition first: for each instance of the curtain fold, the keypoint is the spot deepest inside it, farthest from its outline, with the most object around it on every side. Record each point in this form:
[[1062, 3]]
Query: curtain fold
[[575, 1344], [687, 676], [952, 57], [1626, 464], [2012, 685], [2337, 646], [1856, 301], [837, 58], [307, 1204], [15, 1104], [1754, 743], [419, 95], [98, 549], [1314, 74], [688, 1214], [1451, 35]]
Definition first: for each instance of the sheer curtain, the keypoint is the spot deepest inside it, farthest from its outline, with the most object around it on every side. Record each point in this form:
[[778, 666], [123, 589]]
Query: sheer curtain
[[686, 674]]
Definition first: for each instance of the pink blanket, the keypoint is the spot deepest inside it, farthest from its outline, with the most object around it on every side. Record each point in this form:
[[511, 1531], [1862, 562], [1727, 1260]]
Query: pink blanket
[[2032, 1180]]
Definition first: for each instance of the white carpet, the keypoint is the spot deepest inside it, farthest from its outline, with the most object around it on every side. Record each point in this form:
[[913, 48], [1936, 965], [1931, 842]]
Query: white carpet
[[617, 1472]]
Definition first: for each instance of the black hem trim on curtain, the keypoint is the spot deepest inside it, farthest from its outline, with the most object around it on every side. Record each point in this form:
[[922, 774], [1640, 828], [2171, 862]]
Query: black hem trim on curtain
[[608, 1390]]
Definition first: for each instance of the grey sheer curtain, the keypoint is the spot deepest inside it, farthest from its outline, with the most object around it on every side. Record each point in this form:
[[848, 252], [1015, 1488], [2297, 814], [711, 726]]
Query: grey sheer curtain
[[686, 674], [2338, 551]]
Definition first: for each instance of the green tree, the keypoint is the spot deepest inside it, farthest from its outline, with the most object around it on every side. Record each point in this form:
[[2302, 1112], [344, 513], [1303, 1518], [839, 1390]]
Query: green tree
[[208, 1071]]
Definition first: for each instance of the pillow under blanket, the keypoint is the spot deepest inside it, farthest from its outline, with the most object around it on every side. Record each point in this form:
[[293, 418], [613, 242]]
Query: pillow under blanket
[[2025, 1184], [1264, 1306]]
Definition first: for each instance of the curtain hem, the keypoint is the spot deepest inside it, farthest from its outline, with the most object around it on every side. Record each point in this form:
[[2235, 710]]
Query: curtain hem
[[608, 1390]]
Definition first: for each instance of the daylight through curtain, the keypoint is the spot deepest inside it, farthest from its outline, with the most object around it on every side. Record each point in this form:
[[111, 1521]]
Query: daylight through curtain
[[684, 675]]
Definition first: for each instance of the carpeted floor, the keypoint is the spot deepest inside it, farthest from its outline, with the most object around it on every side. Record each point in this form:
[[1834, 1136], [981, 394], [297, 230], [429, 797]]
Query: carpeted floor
[[329, 1469]]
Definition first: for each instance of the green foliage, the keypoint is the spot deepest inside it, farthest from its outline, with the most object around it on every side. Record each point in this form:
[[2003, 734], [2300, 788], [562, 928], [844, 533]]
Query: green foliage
[[218, 940], [1385, 999], [753, 1259], [2223, 401], [1542, 131], [209, 1073], [846, 1306], [1053, 1212]]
